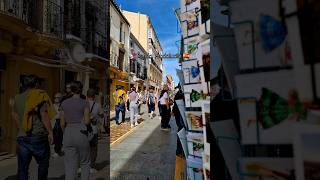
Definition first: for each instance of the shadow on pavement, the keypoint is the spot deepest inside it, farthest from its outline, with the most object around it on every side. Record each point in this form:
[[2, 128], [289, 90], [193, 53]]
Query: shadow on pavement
[[154, 159]]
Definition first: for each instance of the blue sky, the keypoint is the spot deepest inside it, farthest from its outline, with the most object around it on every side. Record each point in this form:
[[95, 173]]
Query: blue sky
[[161, 13]]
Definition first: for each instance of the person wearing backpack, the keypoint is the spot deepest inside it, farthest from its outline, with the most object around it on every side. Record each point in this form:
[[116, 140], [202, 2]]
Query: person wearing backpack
[[151, 103], [32, 112], [96, 113], [120, 98]]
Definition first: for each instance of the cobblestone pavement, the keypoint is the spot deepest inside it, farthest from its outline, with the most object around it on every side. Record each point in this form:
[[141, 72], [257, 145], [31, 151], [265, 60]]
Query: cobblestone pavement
[[8, 167], [146, 153]]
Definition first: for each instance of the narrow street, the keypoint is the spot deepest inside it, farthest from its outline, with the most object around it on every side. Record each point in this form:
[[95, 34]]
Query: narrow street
[[56, 170], [146, 153]]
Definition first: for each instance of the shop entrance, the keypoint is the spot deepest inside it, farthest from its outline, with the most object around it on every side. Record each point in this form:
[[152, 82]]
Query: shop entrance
[[69, 77]]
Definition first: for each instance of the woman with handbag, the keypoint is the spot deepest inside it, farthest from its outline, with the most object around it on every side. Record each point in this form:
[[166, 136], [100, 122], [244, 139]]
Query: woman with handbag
[[75, 118], [133, 98]]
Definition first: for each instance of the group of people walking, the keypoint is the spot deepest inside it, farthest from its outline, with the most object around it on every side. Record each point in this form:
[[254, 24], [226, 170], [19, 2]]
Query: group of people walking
[[133, 100], [74, 131]]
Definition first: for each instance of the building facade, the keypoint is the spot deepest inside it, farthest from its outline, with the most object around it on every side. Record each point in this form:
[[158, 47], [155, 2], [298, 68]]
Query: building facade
[[85, 44], [119, 50], [30, 33], [143, 30], [59, 41], [138, 68]]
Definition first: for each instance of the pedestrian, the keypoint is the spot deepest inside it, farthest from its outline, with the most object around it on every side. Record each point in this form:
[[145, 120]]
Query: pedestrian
[[32, 112], [120, 98], [165, 108], [96, 113], [75, 118], [139, 101], [68, 93], [133, 98], [57, 131], [151, 103], [178, 118]]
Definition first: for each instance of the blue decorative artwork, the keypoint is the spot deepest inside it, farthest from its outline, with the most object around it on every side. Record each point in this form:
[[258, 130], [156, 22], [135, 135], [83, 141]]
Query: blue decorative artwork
[[195, 71]]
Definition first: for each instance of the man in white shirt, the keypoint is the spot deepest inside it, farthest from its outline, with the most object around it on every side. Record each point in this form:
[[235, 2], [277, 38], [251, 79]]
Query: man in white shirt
[[165, 108]]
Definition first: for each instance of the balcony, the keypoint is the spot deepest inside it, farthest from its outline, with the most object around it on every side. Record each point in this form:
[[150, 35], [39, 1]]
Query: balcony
[[114, 60], [29, 12], [96, 43], [155, 64]]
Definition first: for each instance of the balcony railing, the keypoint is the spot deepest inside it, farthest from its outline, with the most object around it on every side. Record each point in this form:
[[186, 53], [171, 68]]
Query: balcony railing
[[50, 21], [53, 20], [20, 9], [114, 60], [96, 43], [155, 64]]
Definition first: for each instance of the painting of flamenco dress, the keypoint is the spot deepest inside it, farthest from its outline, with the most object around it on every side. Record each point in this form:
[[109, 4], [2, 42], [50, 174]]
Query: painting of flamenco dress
[[274, 109]]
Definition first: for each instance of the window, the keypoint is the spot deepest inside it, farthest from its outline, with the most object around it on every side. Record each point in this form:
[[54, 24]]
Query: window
[[120, 37]]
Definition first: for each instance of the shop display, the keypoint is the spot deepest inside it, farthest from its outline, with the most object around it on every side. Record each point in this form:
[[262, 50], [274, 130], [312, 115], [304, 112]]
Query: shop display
[[194, 77]]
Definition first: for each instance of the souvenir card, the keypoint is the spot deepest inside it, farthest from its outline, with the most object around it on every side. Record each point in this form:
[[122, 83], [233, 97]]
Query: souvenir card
[[194, 120], [191, 48], [195, 144], [191, 71], [194, 94], [194, 168], [190, 23], [187, 5], [266, 45]]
